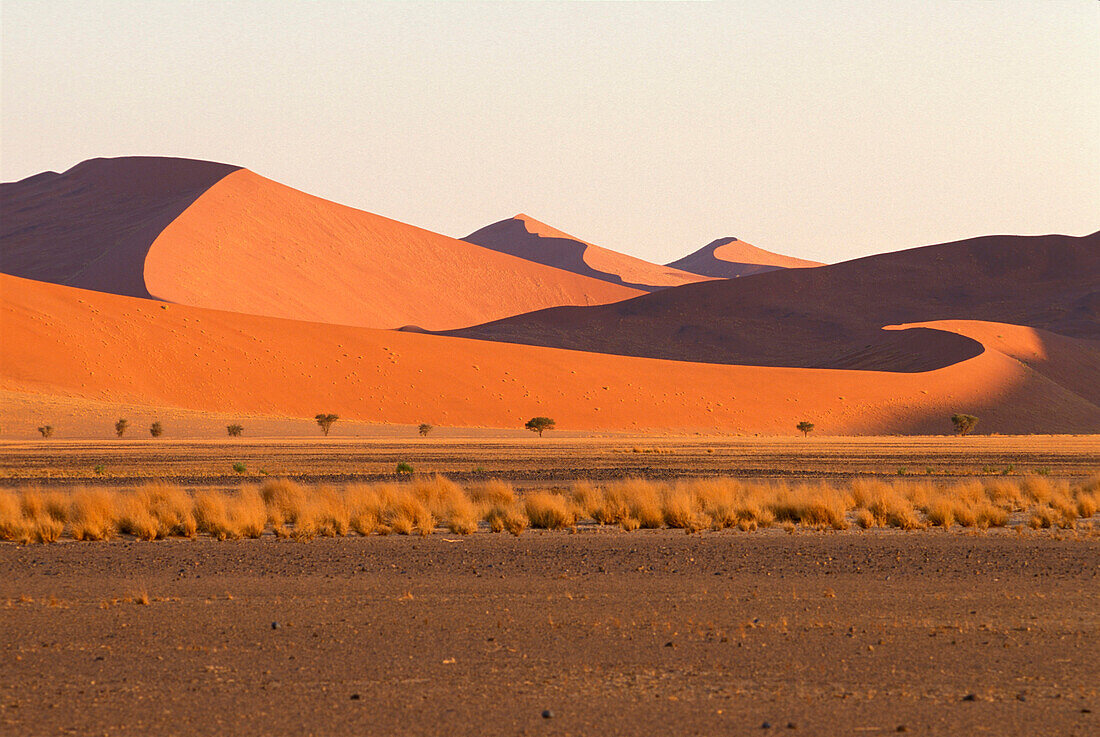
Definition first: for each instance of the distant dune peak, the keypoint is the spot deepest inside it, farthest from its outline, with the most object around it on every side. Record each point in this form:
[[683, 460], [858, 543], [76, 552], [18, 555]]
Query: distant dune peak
[[729, 257], [541, 229], [534, 240]]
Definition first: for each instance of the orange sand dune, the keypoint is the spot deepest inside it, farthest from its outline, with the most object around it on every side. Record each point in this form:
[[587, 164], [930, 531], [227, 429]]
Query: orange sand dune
[[211, 235], [727, 258], [91, 226], [64, 342], [529, 239]]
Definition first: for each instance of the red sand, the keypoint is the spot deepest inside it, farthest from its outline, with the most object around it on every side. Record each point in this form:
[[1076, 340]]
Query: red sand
[[530, 239], [727, 258], [79, 344]]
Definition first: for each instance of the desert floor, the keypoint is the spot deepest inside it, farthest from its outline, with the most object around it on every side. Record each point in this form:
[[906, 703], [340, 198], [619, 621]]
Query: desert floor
[[649, 632], [652, 632], [531, 460]]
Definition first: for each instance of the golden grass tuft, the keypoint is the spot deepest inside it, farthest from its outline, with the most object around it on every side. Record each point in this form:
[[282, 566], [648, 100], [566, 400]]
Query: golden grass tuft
[[406, 514], [12, 524], [493, 493], [447, 501], [364, 508], [549, 511], [817, 506], [588, 500], [92, 515], [171, 507], [212, 515], [678, 508]]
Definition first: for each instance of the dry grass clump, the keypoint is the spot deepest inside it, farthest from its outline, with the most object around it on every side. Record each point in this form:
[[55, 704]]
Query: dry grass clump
[[171, 507], [819, 506], [285, 501], [587, 499], [92, 515], [679, 508], [447, 501], [496, 502], [228, 516], [364, 507], [549, 511], [405, 513], [631, 503], [12, 523]]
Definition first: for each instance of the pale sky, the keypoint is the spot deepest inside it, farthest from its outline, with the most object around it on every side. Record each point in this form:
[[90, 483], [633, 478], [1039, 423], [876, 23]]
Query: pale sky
[[825, 130]]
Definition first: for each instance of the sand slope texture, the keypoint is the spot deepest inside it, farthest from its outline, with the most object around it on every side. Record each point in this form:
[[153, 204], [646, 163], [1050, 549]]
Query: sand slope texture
[[65, 342], [212, 235]]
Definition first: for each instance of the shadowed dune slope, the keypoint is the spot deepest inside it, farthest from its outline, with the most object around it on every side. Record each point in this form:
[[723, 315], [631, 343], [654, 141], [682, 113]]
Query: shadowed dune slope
[[527, 238], [217, 236], [81, 345], [91, 226], [830, 316], [728, 258]]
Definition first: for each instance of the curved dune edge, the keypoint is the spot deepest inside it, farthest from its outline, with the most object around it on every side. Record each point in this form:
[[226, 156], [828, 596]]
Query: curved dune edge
[[729, 258], [92, 226], [527, 238], [66, 342], [249, 244]]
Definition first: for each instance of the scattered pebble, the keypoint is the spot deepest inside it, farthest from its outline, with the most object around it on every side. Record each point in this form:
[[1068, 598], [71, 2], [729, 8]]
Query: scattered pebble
[[970, 697], [766, 725], [792, 725], [275, 625], [547, 714], [355, 697], [902, 728]]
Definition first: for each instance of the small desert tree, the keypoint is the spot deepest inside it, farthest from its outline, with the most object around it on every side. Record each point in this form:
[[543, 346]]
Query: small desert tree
[[424, 429], [121, 425], [234, 430], [46, 430], [963, 423], [326, 422], [805, 427], [539, 425], [156, 429]]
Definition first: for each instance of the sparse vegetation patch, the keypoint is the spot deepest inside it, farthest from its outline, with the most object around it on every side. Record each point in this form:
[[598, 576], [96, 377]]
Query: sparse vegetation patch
[[286, 509]]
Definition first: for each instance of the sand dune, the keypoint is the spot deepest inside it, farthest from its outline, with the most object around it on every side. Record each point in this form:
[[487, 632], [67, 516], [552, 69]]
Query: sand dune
[[527, 238], [216, 236], [91, 226], [63, 342], [830, 317], [727, 258]]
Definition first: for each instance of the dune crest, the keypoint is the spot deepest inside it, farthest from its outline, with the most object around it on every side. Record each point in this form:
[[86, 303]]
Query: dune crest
[[91, 226], [729, 258], [530, 239]]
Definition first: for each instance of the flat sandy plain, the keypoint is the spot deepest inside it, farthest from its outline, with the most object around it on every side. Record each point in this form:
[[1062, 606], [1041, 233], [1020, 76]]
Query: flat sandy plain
[[525, 459], [648, 632]]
